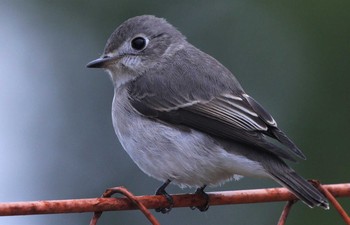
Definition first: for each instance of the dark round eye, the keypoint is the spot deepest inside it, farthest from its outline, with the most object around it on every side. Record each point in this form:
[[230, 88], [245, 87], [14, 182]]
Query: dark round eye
[[138, 43]]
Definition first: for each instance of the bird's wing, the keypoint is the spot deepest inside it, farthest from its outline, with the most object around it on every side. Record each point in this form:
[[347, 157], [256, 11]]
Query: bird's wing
[[209, 104]]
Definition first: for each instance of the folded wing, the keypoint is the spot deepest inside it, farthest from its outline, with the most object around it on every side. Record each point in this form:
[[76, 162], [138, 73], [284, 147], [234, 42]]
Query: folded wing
[[215, 105]]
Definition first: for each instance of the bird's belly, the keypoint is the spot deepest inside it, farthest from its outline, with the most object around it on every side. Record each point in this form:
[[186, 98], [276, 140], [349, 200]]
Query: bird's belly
[[187, 157]]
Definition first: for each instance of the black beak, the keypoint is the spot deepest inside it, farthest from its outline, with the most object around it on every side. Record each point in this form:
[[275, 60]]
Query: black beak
[[99, 63]]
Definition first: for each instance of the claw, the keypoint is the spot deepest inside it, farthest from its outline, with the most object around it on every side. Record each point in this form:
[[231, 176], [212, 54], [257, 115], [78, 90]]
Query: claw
[[205, 206], [161, 191]]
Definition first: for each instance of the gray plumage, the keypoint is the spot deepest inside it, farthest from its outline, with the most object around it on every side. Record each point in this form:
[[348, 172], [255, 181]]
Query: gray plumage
[[182, 116]]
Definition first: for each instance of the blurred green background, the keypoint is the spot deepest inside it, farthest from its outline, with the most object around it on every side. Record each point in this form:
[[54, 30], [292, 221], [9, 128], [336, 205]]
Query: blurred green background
[[56, 134]]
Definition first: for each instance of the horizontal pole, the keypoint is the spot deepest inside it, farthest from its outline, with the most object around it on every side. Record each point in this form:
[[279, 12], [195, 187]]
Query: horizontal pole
[[156, 201]]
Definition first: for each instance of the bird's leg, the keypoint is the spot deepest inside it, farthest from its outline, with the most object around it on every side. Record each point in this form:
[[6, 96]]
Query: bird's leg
[[161, 191], [205, 206]]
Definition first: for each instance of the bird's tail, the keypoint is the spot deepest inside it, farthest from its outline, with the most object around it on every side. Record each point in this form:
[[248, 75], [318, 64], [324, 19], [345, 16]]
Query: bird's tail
[[300, 187]]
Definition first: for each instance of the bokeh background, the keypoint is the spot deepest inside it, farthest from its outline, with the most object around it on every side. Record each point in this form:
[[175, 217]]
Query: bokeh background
[[56, 135]]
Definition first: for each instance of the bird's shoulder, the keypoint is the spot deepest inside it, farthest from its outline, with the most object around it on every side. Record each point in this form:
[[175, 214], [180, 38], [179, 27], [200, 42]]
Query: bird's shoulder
[[187, 75]]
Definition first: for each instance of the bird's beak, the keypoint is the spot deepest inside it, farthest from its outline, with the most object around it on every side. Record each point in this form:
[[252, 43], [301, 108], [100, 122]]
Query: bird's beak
[[100, 62]]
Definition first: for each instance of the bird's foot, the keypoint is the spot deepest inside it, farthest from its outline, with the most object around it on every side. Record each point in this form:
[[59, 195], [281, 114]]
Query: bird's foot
[[161, 191], [205, 206]]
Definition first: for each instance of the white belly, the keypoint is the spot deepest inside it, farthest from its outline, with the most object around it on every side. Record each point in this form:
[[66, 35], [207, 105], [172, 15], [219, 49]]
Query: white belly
[[187, 158]]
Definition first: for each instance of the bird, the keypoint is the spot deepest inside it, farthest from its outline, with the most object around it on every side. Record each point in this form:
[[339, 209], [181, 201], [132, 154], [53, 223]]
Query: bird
[[184, 118]]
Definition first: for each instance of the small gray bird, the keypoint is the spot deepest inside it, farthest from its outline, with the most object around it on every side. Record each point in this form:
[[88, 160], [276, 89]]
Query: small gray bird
[[184, 118]]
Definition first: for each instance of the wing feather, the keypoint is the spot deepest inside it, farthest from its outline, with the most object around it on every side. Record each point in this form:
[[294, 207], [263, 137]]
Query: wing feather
[[216, 105]]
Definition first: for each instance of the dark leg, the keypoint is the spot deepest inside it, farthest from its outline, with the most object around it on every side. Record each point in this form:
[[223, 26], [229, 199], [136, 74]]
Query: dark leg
[[200, 191], [161, 191]]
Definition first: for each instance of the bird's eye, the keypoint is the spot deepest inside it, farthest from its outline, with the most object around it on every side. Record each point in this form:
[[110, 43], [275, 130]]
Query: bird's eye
[[139, 43]]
